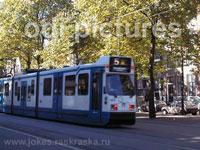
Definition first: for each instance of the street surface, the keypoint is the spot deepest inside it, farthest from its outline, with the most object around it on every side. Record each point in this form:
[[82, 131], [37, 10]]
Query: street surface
[[169, 133]]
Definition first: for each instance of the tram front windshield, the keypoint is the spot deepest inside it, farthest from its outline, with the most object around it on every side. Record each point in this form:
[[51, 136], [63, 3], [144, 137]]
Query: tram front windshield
[[119, 85]]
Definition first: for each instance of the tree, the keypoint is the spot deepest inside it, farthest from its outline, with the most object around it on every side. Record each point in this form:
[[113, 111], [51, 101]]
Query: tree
[[158, 11], [150, 12], [15, 16]]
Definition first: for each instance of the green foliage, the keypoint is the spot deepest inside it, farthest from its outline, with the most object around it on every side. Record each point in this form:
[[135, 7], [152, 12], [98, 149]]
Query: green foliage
[[61, 48]]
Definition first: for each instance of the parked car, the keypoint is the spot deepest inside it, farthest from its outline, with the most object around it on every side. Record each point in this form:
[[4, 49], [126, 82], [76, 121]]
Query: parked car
[[173, 108], [196, 100], [144, 107], [191, 107], [191, 104], [176, 106], [159, 105]]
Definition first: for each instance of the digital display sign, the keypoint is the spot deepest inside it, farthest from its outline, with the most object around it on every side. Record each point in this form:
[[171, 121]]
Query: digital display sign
[[118, 64]]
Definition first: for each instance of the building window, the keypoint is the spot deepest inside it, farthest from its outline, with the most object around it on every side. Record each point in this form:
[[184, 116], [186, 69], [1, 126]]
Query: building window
[[179, 85], [47, 87], [157, 85], [140, 84], [70, 84], [32, 87], [191, 85], [83, 84], [7, 89], [170, 79], [144, 84]]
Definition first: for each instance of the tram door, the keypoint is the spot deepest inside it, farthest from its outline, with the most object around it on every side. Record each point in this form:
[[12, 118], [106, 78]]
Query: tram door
[[57, 98], [23, 95], [1, 98], [96, 98]]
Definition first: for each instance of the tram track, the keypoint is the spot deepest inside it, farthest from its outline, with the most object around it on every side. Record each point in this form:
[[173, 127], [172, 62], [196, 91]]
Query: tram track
[[54, 137], [130, 134]]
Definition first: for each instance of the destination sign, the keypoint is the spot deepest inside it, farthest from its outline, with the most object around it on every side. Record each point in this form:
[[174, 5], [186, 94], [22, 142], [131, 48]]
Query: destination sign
[[118, 64]]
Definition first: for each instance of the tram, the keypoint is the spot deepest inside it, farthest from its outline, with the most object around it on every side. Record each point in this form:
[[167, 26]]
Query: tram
[[101, 93]]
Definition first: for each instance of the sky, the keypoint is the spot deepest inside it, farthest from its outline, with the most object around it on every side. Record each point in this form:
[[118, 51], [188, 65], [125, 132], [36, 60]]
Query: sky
[[196, 23]]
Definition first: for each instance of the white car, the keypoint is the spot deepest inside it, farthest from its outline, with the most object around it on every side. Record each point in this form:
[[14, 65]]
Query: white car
[[196, 100], [173, 108]]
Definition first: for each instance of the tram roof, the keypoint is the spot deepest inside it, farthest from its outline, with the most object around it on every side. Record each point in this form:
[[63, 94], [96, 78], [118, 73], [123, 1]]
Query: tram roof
[[101, 62]]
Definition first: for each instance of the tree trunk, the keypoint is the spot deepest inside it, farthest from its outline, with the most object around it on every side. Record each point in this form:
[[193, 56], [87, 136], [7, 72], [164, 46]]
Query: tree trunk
[[29, 61], [38, 62], [152, 113], [28, 64], [182, 87]]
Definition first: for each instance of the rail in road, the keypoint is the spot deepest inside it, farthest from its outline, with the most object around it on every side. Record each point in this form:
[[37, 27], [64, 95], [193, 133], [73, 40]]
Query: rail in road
[[161, 134]]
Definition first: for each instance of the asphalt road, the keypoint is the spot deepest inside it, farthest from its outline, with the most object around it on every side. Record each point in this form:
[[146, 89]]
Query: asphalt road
[[22, 133]]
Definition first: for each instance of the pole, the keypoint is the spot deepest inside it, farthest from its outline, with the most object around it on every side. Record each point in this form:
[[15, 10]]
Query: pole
[[182, 87], [152, 113]]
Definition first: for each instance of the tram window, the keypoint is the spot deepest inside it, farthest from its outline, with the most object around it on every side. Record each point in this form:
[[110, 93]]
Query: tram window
[[16, 90], [32, 87], [70, 84], [18, 94], [23, 93], [120, 85], [55, 86], [58, 85], [96, 77], [83, 84], [47, 87], [7, 89], [1, 89], [29, 92]]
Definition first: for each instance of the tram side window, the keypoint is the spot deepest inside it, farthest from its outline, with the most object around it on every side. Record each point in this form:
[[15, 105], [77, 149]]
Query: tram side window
[[70, 84], [83, 84], [58, 85], [7, 89], [17, 91], [18, 94], [32, 87], [47, 87], [1, 92], [16, 88], [29, 92], [1, 89]]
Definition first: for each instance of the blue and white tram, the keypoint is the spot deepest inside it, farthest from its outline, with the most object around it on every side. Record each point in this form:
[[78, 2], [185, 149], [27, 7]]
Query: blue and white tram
[[1, 95], [98, 94]]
